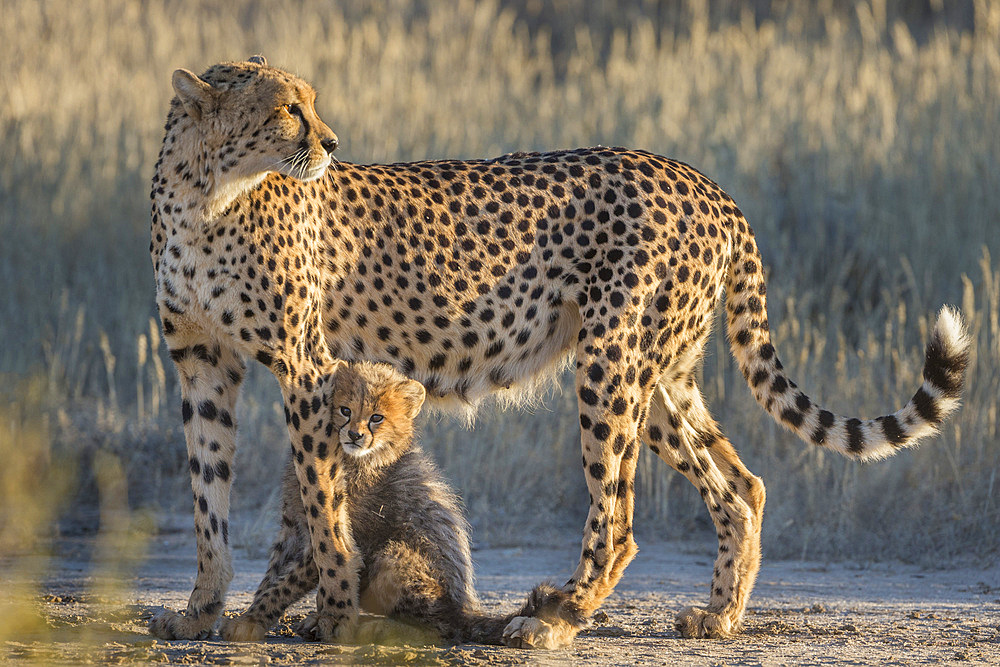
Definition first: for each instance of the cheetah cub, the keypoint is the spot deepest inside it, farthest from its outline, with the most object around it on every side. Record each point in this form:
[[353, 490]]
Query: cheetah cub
[[406, 522]]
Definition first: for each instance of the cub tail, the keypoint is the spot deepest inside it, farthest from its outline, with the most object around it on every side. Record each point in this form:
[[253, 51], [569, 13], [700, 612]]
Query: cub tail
[[945, 363]]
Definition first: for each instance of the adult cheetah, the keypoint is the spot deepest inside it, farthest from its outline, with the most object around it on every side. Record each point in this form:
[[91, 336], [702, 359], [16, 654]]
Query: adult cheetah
[[473, 277]]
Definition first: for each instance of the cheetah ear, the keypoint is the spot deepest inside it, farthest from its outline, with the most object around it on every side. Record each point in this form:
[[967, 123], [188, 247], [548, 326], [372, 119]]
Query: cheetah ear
[[328, 379], [257, 60], [413, 393], [197, 95]]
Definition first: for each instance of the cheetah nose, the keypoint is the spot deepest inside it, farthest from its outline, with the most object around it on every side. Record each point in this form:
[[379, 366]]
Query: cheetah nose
[[354, 435], [330, 144]]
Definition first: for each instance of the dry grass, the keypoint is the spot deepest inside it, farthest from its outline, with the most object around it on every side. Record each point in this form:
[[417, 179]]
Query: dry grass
[[36, 484], [862, 147], [25, 515]]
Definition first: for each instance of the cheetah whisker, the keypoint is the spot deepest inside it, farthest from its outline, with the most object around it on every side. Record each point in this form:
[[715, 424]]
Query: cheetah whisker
[[294, 163], [284, 163], [297, 164]]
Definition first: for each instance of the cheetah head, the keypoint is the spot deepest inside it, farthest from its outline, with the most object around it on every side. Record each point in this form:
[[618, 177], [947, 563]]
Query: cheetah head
[[254, 119]]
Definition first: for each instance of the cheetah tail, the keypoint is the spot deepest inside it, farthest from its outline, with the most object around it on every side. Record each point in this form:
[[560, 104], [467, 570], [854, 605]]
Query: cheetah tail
[[545, 601], [946, 359]]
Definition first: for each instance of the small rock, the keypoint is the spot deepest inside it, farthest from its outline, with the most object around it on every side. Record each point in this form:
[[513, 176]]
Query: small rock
[[601, 617]]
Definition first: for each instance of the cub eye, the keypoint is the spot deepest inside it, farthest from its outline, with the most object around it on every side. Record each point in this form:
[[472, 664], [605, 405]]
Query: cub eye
[[375, 419], [290, 109], [346, 411]]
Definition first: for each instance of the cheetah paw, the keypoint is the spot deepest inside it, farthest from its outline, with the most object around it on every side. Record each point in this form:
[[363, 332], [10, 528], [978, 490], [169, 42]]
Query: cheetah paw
[[170, 624], [241, 629], [324, 628], [531, 632], [695, 623], [306, 628]]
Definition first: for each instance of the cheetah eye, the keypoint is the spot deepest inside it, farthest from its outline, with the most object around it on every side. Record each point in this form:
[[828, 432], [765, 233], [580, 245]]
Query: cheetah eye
[[375, 419], [346, 411], [290, 109]]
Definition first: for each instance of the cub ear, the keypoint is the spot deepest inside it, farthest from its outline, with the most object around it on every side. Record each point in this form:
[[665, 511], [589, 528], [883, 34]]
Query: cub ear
[[257, 60], [413, 393], [197, 95]]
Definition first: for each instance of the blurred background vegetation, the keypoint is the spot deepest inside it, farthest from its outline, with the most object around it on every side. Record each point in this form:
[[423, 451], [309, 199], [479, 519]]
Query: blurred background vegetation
[[860, 139]]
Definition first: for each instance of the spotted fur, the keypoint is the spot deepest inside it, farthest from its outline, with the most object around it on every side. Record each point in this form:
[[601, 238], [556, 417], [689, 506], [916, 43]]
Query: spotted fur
[[407, 524], [475, 278]]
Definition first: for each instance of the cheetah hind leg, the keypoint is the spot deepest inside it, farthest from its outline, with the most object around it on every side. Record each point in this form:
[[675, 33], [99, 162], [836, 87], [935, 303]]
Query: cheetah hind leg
[[681, 431]]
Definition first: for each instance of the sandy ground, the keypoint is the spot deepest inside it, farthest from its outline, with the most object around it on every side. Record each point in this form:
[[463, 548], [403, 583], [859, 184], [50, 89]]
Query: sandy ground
[[802, 613]]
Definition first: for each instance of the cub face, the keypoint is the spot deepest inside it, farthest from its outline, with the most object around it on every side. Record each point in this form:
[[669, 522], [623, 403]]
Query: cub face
[[275, 109], [372, 409]]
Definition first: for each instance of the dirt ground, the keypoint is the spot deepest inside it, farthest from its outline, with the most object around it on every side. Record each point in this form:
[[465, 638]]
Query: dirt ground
[[802, 613]]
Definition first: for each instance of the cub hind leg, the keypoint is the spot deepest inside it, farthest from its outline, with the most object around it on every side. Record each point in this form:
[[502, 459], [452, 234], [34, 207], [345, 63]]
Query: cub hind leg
[[407, 585], [402, 585]]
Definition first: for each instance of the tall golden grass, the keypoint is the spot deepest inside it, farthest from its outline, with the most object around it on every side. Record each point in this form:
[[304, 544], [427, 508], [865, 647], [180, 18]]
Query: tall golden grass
[[861, 142]]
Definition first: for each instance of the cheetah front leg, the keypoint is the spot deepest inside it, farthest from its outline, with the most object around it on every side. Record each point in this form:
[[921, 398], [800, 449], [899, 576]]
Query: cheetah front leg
[[291, 571], [316, 455], [610, 413], [210, 377]]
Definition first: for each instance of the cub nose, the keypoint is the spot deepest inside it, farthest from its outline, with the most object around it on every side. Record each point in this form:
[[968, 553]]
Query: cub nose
[[330, 144], [354, 435]]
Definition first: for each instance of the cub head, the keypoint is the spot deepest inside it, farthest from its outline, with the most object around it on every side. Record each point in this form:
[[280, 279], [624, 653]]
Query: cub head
[[372, 409], [255, 119]]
